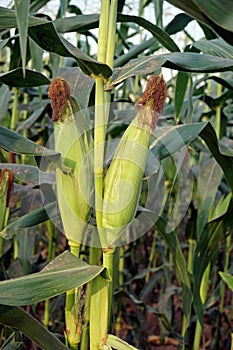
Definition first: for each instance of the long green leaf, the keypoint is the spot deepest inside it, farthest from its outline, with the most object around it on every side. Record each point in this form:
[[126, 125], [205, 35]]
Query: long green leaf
[[217, 47], [16, 318], [13, 142], [178, 23], [162, 36], [31, 219], [22, 12], [16, 78], [8, 19], [47, 38], [78, 23], [63, 273], [220, 21], [220, 13], [169, 140], [187, 61]]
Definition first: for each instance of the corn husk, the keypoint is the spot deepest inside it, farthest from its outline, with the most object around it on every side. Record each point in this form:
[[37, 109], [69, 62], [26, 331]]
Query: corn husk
[[123, 180]]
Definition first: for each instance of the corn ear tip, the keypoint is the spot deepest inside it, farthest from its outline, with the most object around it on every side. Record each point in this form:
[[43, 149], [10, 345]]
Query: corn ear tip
[[59, 94], [154, 96]]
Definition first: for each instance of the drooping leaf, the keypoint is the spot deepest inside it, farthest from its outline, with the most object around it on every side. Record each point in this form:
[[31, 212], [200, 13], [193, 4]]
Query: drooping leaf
[[163, 37], [16, 143], [217, 47], [216, 15], [16, 78], [47, 38], [63, 273], [78, 23], [219, 12], [178, 23], [186, 61], [16, 318], [22, 12], [33, 218]]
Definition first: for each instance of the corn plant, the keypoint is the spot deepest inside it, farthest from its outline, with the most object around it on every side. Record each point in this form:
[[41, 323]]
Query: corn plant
[[160, 191]]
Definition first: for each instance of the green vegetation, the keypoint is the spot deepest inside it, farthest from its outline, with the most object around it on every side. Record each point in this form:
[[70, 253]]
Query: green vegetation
[[116, 188]]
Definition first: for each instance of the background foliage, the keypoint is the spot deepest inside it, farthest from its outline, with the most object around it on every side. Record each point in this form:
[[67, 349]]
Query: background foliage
[[166, 282]]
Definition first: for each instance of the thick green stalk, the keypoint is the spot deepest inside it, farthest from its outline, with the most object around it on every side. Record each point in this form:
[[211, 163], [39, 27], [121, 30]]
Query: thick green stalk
[[100, 118], [101, 298]]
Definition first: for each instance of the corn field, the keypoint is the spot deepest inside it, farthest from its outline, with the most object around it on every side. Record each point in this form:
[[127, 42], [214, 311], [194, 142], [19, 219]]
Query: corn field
[[116, 175]]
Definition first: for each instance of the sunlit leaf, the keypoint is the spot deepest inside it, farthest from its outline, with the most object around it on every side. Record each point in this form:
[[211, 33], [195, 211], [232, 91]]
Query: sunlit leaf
[[118, 343], [63, 273], [187, 61], [228, 279]]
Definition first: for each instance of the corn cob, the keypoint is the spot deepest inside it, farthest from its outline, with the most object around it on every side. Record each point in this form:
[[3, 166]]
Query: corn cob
[[74, 187], [122, 183]]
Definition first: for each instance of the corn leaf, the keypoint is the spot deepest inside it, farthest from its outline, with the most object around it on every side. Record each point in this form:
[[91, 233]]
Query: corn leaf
[[63, 273], [33, 218], [186, 61], [208, 181], [216, 15], [16, 318], [22, 12], [216, 47], [162, 36], [47, 38], [16, 78], [227, 278], [213, 233], [13, 142], [118, 343], [180, 265]]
